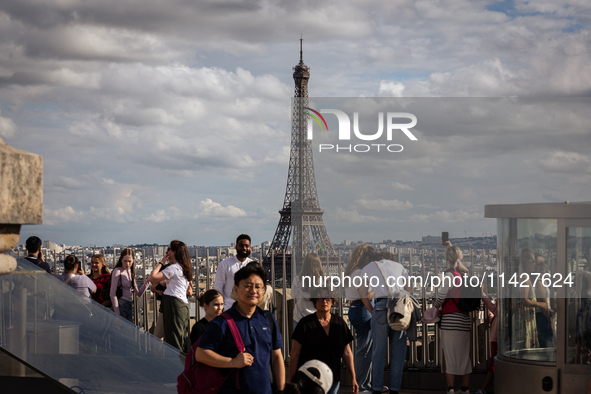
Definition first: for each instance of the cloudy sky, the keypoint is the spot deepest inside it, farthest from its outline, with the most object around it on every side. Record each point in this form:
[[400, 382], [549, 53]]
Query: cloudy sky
[[159, 120]]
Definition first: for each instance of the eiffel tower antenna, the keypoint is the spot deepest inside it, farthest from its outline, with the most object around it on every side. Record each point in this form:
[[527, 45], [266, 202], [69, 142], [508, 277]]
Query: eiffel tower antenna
[[301, 216]]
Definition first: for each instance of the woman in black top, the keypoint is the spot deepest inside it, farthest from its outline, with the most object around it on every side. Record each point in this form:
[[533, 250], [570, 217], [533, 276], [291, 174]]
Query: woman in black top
[[323, 336], [212, 302]]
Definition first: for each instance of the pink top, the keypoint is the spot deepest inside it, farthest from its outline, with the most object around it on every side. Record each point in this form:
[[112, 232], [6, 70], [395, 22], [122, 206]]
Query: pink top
[[123, 278], [492, 309]]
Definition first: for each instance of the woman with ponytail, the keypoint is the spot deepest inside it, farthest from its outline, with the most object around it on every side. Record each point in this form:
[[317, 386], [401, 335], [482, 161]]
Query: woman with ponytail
[[455, 325], [175, 305]]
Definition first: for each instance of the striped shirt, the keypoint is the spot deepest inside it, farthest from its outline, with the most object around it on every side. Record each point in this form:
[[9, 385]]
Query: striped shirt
[[451, 321]]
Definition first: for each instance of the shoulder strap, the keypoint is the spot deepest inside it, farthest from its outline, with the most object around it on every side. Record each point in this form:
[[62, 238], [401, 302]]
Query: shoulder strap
[[234, 331], [69, 278], [274, 338], [271, 326], [384, 276]]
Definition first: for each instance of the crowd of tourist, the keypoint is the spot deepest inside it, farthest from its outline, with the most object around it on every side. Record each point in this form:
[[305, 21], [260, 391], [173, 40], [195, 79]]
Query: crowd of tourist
[[321, 341]]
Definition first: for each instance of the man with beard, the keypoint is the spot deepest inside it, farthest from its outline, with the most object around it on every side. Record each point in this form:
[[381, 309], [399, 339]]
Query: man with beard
[[224, 276]]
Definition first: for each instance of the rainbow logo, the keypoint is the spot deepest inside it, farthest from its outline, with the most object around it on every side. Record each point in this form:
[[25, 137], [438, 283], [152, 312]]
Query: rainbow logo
[[316, 119]]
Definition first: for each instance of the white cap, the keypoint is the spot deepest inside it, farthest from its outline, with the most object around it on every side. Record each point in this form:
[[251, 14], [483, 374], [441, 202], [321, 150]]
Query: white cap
[[325, 379]]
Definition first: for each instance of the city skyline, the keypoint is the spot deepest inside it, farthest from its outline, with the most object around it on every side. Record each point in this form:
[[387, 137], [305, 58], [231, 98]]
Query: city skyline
[[175, 122]]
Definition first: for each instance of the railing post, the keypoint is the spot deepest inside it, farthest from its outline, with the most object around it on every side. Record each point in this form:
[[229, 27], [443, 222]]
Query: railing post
[[208, 271], [274, 301], [424, 329], [437, 333], [284, 314], [154, 299], [145, 295], [341, 299]]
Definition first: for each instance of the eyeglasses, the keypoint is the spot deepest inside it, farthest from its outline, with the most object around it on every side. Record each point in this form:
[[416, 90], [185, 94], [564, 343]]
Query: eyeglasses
[[250, 287], [324, 299]]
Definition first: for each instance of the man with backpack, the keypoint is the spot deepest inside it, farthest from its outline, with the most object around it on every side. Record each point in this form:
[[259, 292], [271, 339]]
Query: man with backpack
[[245, 362], [381, 274]]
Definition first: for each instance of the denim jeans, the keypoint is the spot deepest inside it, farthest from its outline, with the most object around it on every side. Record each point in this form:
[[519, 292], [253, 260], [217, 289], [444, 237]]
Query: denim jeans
[[361, 320], [381, 331], [334, 388], [126, 309]]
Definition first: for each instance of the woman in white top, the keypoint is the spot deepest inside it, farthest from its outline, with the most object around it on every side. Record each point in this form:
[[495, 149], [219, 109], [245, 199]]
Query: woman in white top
[[175, 305], [124, 276], [300, 292]]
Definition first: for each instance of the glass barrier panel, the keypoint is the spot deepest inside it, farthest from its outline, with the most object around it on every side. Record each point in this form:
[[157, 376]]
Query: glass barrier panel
[[578, 303], [527, 269], [69, 337]]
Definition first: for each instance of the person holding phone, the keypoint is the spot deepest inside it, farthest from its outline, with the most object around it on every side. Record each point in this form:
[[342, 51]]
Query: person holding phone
[[175, 305]]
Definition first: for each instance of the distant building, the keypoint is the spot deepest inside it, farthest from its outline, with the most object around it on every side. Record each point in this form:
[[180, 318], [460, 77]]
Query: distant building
[[52, 247], [431, 240]]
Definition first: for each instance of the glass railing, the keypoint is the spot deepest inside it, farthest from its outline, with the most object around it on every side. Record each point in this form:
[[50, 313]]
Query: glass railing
[[50, 326]]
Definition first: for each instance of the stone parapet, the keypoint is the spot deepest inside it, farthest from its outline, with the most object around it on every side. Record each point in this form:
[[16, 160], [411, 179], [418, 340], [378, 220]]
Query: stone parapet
[[21, 198]]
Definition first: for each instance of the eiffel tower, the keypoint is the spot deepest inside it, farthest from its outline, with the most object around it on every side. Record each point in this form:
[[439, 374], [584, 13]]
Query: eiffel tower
[[301, 214]]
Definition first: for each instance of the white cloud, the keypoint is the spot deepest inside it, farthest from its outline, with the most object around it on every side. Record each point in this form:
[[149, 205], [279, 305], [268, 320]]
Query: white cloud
[[447, 217], [7, 127], [62, 215], [566, 162], [71, 215], [161, 215], [384, 205], [402, 187], [355, 217], [210, 208]]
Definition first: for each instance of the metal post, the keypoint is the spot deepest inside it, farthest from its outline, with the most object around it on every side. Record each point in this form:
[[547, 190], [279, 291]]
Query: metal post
[[135, 299], [154, 299], [425, 329], [145, 295], [274, 301], [341, 299], [437, 333], [207, 270], [284, 315]]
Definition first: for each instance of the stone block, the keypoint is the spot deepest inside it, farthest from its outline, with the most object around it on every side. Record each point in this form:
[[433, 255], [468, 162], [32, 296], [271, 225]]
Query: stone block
[[21, 198], [21, 186]]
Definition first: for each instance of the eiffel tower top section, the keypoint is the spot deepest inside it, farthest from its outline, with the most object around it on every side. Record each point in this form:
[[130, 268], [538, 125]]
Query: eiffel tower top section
[[301, 71]]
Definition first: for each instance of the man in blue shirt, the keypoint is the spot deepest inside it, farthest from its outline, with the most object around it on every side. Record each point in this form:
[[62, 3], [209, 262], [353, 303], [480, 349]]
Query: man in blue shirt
[[261, 341]]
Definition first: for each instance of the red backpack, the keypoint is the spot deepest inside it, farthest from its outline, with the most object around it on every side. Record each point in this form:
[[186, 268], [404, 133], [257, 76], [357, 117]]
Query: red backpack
[[199, 378]]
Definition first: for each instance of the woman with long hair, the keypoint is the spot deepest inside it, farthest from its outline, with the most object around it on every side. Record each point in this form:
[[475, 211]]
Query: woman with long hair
[[359, 316], [455, 324], [300, 290], [175, 305], [123, 277], [100, 276], [212, 302]]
